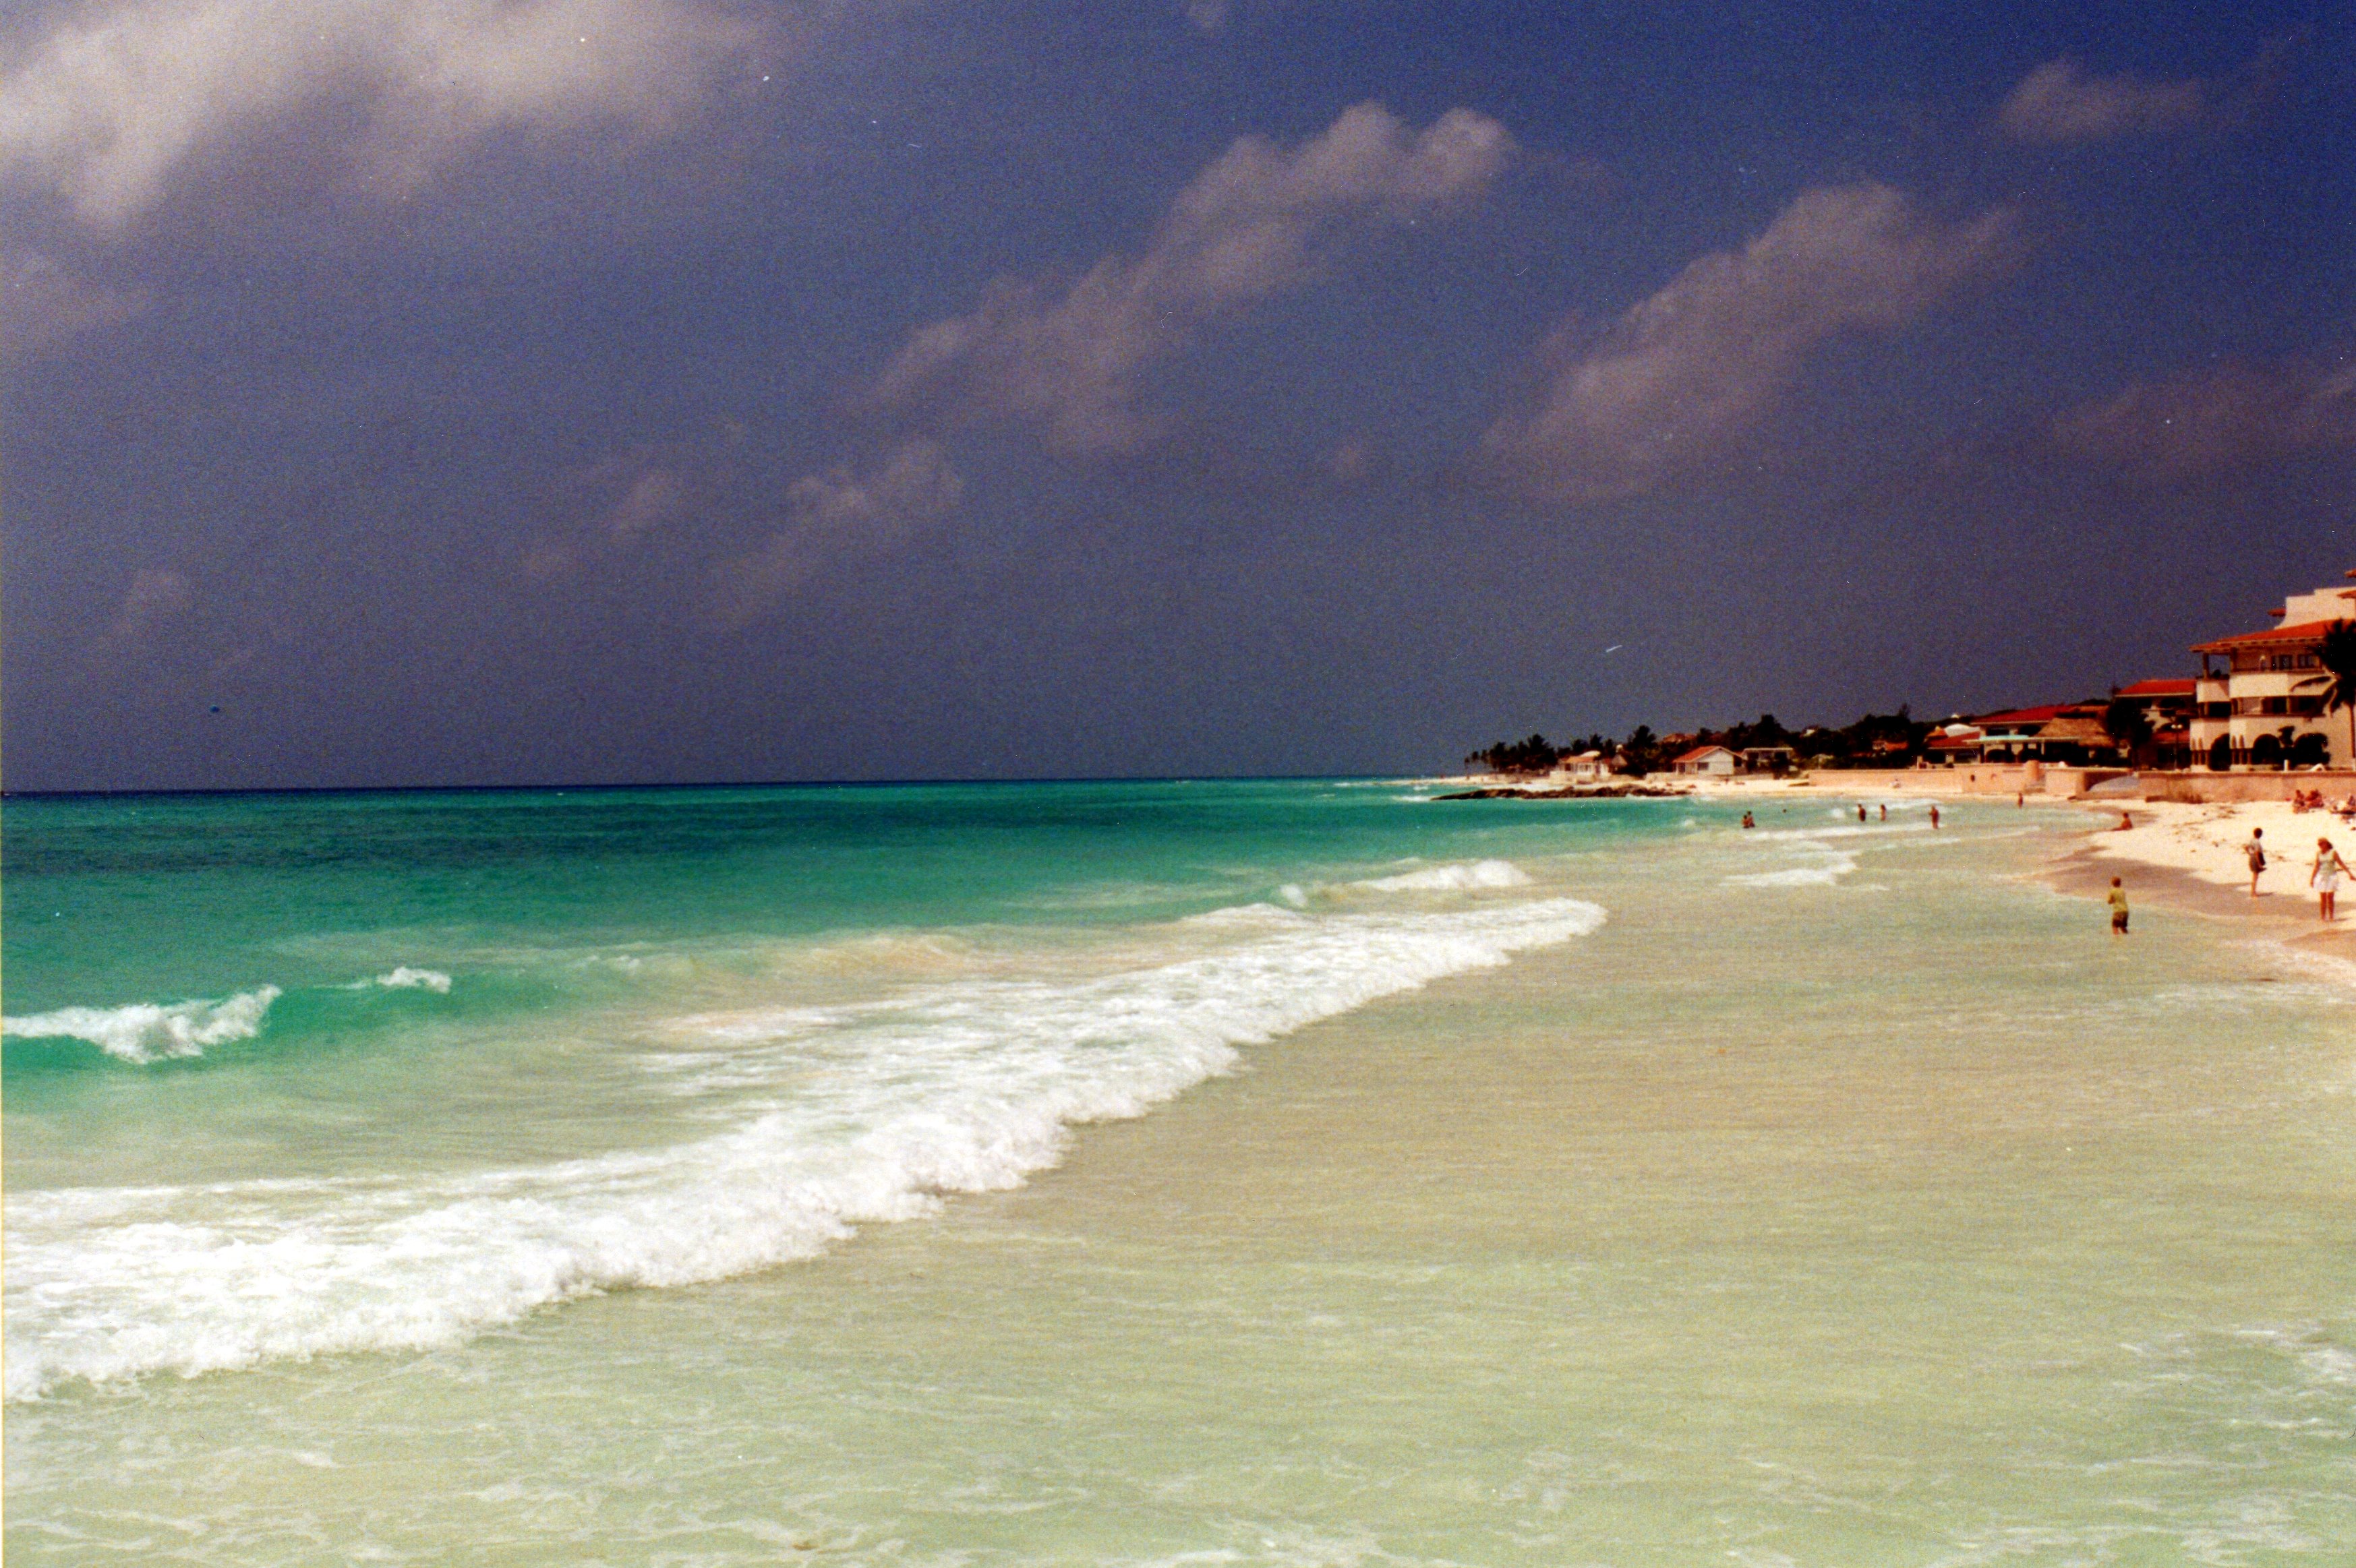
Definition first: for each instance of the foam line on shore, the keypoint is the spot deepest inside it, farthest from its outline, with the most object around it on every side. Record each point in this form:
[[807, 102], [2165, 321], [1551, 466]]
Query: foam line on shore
[[960, 1087]]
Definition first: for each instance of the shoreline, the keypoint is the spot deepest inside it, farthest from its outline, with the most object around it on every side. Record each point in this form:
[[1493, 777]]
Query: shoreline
[[2188, 859]]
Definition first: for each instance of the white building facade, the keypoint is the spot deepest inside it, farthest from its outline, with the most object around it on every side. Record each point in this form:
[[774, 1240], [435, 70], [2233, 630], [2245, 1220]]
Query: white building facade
[[2259, 700]]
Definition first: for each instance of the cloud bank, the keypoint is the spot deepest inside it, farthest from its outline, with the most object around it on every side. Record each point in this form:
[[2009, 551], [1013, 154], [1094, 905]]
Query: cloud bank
[[837, 513], [2207, 423], [2059, 103], [1259, 221], [153, 598], [43, 303], [106, 106], [1678, 380]]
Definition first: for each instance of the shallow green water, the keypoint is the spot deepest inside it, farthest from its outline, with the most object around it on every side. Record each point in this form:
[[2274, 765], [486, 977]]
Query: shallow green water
[[1839, 1198]]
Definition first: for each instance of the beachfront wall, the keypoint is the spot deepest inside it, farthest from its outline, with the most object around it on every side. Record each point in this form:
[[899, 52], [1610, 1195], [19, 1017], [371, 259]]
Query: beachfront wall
[[2207, 788], [2043, 780], [2192, 786]]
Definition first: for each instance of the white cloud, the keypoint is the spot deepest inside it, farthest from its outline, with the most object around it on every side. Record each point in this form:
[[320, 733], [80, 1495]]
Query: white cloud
[[1675, 382], [914, 484], [109, 103], [153, 598], [2059, 102], [837, 513], [41, 304], [655, 497], [1258, 222], [2210, 422]]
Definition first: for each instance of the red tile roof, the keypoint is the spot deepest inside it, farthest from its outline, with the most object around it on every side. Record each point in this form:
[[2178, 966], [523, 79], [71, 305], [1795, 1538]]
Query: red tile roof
[[2157, 689], [2272, 636], [1696, 754], [2026, 715]]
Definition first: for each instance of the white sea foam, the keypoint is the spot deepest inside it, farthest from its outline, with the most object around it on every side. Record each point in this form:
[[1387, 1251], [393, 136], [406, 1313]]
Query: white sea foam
[[406, 979], [873, 1112], [1870, 830], [153, 1031], [1461, 876], [1826, 873]]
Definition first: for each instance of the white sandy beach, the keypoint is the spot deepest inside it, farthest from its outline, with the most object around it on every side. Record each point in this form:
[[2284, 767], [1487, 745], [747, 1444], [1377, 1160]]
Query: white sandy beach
[[2207, 841]]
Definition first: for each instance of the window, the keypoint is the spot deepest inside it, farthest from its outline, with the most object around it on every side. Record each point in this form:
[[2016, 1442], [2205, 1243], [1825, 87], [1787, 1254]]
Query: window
[[2306, 707], [2274, 704]]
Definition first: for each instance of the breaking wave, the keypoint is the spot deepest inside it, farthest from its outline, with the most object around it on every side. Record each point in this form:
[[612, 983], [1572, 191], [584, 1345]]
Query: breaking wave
[[405, 978], [1825, 873], [1463, 877], [859, 1113], [153, 1031]]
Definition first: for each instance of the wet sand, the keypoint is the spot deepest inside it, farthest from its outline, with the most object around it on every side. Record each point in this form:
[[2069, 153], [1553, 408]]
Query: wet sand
[[2282, 913]]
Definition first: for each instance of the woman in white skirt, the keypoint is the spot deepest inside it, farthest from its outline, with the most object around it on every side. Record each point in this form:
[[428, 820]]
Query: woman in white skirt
[[2325, 879]]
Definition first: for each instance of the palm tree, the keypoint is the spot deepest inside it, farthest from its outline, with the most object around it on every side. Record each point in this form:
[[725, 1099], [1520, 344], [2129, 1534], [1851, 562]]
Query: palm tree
[[2337, 657], [2128, 723]]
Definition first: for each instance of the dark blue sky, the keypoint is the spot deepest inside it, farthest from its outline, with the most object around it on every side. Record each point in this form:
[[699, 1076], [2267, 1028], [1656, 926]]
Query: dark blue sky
[[512, 390]]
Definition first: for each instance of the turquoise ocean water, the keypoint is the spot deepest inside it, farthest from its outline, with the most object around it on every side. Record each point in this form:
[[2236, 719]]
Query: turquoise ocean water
[[1288, 1172]]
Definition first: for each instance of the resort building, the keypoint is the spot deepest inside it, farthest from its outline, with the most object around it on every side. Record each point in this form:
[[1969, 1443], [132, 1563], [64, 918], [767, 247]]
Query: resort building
[[2069, 733], [2168, 708], [2259, 700], [1955, 742], [1706, 762]]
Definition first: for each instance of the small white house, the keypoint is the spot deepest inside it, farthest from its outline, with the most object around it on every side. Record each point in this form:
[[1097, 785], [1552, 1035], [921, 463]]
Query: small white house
[[1706, 761], [1588, 767]]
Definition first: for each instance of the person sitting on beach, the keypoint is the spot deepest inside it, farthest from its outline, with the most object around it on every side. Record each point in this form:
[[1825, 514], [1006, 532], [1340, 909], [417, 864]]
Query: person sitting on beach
[[2127, 822], [2325, 879], [1747, 822], [2118, 908], [2256, 851]]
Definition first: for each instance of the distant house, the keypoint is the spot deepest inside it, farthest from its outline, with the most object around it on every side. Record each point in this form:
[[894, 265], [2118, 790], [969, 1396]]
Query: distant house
[[2168, 706], [2255, 687], [2065, 733], [2068, 733], [1775, 760], [1706, 762], [1587, 767], [1953, 743]]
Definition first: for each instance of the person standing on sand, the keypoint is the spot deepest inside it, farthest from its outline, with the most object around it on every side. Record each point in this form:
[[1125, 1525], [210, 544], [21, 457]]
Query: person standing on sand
[[2118, 908], [2325, 879], [1885, 814], [1860, 811], [1935, 816], [2256, 850]]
